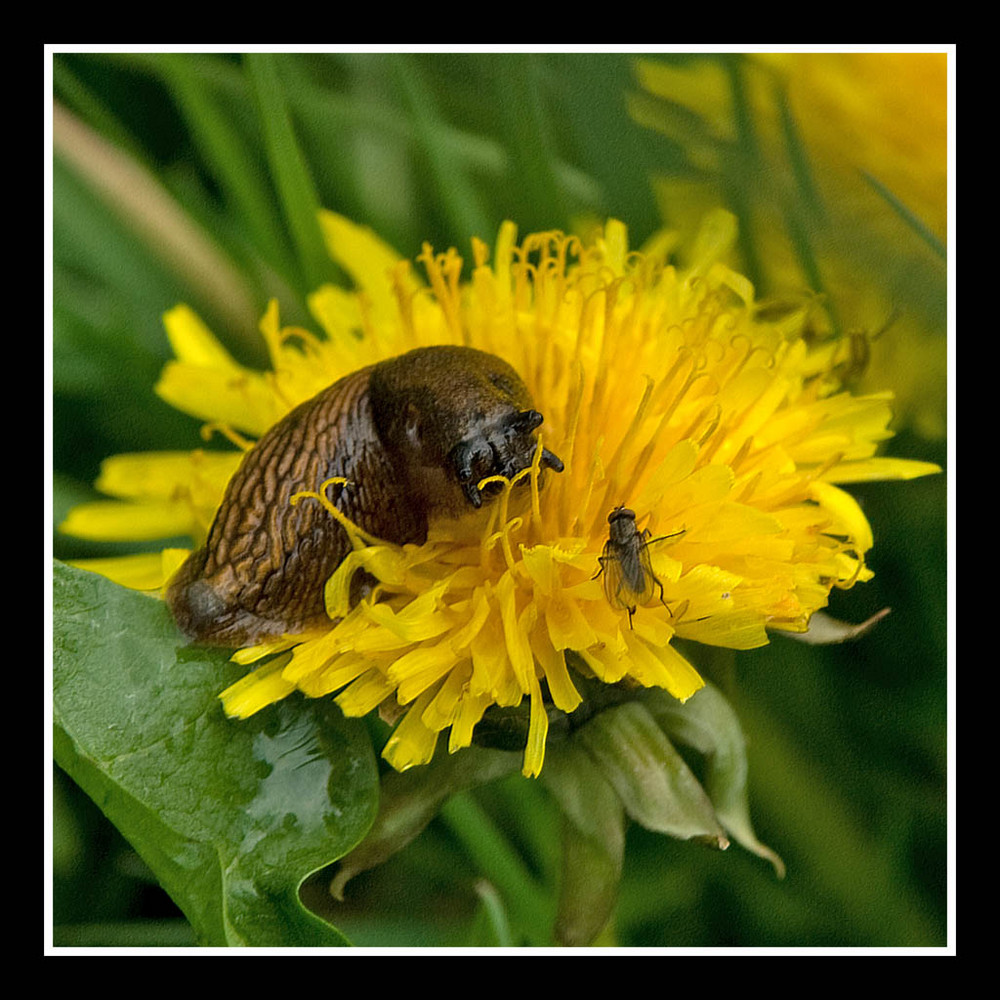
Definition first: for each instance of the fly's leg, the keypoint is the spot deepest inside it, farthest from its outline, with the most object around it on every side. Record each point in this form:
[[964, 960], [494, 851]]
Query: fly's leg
[[662, 601]]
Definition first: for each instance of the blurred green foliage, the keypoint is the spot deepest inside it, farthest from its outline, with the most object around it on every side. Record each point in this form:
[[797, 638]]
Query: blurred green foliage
[[847, 743]]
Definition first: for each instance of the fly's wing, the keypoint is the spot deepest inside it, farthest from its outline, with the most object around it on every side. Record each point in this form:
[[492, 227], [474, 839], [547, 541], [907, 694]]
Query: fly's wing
[[644, 592], [619, 576], [628, 575], [614, 580]]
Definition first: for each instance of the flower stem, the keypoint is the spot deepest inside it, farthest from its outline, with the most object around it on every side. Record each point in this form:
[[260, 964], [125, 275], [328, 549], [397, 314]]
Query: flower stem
[[530, 909]]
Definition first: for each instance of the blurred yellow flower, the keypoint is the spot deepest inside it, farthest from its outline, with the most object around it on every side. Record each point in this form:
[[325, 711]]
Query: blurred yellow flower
[[841, 161], [667, 391]]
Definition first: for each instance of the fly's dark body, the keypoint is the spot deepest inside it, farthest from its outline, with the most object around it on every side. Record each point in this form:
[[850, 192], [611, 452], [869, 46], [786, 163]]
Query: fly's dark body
[[629, 579]]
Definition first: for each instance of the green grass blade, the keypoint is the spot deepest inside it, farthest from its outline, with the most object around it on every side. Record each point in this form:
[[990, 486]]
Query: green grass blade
[[521, 118], [798, 156], [229, 156], [296, 190], [69, 88], [530, 909], [612, 148], [459, 201], [136, 196], [907, 215]]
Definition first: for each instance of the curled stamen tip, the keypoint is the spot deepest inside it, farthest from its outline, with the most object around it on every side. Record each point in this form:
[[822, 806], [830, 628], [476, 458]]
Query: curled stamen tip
[[337, 481]]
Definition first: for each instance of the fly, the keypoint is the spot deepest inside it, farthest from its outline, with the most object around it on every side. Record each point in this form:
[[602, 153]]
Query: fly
[[629, 579]]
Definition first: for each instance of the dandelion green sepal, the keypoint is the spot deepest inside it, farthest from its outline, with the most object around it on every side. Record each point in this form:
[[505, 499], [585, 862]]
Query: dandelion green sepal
[[650, 777], [709, 725], [593, 843]]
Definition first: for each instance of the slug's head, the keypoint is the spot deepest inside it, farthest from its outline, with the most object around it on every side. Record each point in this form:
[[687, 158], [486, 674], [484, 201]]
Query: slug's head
[[452, 416]]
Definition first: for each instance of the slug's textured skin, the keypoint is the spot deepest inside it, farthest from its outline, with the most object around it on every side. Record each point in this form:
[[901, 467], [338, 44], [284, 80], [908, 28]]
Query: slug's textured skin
[[413, 435]]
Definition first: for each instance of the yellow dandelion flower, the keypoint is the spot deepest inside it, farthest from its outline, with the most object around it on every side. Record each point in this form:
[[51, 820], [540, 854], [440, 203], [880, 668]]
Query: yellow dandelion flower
[[663, 391]]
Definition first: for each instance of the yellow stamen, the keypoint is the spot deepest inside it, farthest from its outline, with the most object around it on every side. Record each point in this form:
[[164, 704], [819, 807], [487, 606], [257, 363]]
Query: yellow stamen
[[358, 536], [244, 444]]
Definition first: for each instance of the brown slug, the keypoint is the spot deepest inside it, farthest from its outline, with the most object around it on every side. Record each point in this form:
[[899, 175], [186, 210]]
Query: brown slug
[[413, 435]]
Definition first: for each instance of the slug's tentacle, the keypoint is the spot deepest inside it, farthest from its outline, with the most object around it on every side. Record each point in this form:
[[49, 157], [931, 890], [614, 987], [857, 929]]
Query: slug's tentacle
[[502, 449], [551, 461], [414, 435]]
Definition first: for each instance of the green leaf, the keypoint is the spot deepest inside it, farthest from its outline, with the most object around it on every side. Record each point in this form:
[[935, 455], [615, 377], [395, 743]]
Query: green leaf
[[656, 787], [230, 816], [707, 723]]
